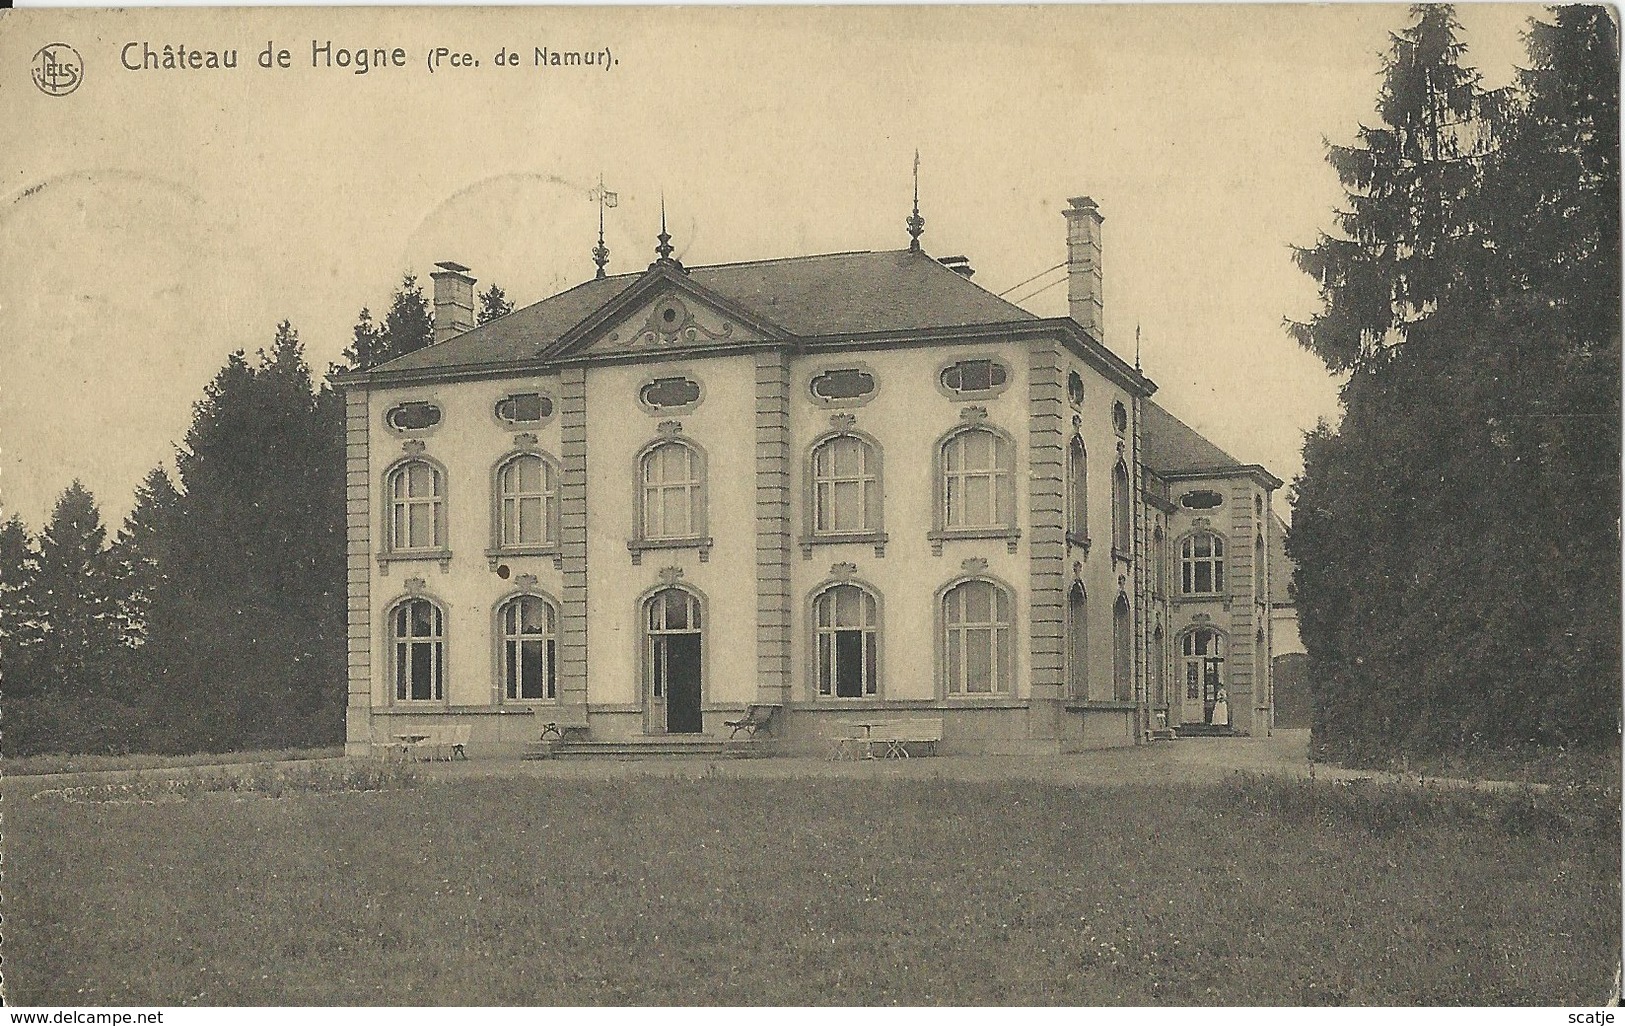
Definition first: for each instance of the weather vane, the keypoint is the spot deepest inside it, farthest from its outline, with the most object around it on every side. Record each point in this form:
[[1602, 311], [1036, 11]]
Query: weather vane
[[916, 223], [604, 198]]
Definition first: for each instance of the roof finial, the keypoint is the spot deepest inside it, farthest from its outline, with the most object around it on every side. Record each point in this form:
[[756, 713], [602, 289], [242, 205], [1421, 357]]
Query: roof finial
[[664, 250], [1136, 346], [916, 223], [600, 252]]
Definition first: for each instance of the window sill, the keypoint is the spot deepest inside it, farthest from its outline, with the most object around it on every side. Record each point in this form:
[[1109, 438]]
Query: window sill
[[875, 538], [402, 708], [638, 546], [495, 556], [1199, 597], [441, 556], [1121, 554], [1010, 535], [1101, 706], [1080, 541]]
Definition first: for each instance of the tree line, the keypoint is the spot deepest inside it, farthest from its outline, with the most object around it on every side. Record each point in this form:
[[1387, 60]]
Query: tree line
[[214, 620], [1457, 535]]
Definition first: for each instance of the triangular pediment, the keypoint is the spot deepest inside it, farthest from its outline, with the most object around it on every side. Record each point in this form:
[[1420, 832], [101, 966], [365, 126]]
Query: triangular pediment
[[665, 310]]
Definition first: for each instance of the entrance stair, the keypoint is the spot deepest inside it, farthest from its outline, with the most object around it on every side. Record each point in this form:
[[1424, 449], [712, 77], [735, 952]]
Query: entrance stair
[[1203, 730]]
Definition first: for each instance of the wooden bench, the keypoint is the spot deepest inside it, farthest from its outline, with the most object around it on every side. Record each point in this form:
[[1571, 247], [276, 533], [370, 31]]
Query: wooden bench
[[897, 737], [756, 718]]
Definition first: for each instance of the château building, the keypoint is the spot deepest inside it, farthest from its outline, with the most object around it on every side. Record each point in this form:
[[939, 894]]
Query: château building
[[834, 486]]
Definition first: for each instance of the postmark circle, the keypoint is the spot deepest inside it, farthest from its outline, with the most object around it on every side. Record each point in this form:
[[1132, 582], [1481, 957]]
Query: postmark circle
[[57, 69]]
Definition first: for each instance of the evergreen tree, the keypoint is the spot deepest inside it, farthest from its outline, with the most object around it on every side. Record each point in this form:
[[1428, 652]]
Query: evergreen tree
[[21, 623], [409, 324], [494, 303], [1456, 536], [141, 552], [1410, 228], [249, 641], [366, 342]]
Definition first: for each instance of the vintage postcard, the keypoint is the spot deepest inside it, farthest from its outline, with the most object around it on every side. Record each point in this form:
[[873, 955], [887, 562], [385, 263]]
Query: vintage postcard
[[573, 506]]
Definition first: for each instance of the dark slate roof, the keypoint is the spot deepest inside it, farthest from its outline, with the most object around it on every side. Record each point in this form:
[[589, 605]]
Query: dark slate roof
[[1171, 446], [835, 294]]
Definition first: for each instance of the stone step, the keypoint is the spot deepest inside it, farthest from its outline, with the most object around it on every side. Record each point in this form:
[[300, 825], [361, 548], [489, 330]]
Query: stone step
[[1203, 730]]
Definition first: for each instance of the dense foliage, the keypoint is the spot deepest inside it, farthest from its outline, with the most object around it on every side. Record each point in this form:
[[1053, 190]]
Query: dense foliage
[[1457, 536]]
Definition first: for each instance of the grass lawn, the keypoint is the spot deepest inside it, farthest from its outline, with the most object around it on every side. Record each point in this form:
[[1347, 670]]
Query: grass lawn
[[718, 891]]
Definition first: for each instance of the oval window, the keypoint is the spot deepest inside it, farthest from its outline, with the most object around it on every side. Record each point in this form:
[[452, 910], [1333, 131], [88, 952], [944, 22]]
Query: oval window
[[413, 416], [665, 393], [1201, 500], [1119, 417], [1074, 388], [845, 383], [524, 408], [973, 376]]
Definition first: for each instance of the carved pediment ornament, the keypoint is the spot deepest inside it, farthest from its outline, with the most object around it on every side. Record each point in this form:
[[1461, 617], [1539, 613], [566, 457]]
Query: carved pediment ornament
[[525, 440], [526, 581], [1201, 618], [671, 322], [974, 565], [670, 428], [973, 414], [415, 585], [843, 571], [1077, 569], [671, 574], [413, 445], [1077, 422], [1122, 584], [842, 421], [1202, 522]]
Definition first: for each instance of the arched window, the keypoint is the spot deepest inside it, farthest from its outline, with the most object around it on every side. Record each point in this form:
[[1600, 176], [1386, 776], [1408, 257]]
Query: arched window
[[672, 477], [1122, 513], [1077, 642], [418, 652], [1077, 490], [529, 649], [417, 507], [1201, 565], [1157, 664], [1258, 568], [846, 639], [527, 489], [845, 486], [1122, 651], [1159, 563], [977, 486], [978, 646]]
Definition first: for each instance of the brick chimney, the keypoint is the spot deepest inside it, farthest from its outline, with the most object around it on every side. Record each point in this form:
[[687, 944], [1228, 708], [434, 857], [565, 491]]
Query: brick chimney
[[1084, 281], [453, 300]]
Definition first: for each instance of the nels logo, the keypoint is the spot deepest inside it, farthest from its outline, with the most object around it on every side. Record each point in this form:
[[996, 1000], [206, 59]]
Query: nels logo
[[57, 69]]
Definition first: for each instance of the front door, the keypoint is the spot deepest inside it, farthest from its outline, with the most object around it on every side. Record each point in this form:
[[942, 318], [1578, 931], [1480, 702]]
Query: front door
[[1210, 688], [672, 650], [683, 684]]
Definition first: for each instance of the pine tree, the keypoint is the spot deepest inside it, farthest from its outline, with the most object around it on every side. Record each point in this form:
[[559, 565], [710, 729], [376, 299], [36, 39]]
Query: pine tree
[[257, 558], [77, 596], [409, 324], [141, 552], [366, 342], [21, 623], [1409, 231], [1457, 559], [493, 304]]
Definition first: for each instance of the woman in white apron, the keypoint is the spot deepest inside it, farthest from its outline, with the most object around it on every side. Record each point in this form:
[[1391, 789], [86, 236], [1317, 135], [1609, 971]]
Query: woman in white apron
[[1221, 709]]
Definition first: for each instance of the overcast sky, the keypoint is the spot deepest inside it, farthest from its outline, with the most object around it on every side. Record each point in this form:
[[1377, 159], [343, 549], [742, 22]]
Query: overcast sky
[[157, 220]]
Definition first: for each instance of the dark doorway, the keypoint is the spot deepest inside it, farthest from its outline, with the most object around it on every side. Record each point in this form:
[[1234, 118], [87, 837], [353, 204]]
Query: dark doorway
[[682, 661]]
